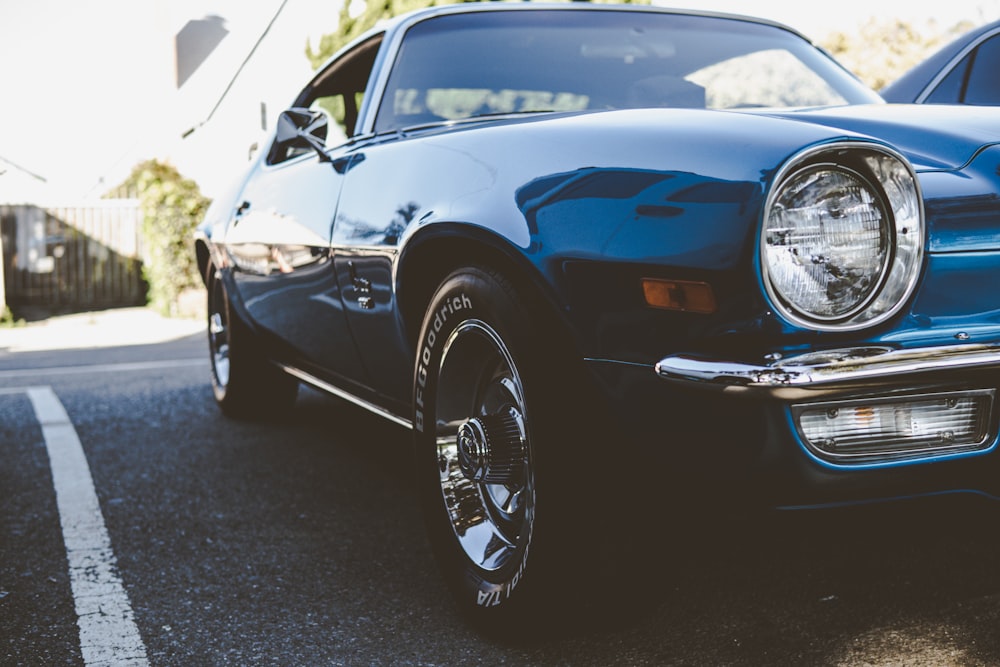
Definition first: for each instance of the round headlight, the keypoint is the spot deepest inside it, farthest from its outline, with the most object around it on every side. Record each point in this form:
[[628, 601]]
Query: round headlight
[[841, 245], [827, 242]]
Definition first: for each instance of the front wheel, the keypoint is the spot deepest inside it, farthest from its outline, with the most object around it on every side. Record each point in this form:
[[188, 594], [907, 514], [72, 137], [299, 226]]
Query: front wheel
[[485, 405], [245, 384]]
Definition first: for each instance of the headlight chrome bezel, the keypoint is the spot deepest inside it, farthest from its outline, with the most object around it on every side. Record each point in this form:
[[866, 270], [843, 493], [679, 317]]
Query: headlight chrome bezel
[[892, 182]]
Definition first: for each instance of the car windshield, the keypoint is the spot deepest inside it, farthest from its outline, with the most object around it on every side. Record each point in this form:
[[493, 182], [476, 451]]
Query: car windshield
[[486, 63]]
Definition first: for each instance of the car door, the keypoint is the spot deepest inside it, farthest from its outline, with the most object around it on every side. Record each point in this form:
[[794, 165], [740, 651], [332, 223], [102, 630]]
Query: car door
[[280, 236], [365, 250]]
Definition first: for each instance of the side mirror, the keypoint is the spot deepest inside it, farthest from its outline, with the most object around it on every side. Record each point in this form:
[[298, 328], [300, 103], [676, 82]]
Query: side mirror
[[302, 128]]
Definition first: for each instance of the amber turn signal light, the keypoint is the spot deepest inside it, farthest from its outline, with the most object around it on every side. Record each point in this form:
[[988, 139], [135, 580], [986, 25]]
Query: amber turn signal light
[[684, 295]]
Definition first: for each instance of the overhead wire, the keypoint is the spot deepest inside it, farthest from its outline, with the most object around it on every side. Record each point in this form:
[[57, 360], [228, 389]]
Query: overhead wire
[[239, 70]]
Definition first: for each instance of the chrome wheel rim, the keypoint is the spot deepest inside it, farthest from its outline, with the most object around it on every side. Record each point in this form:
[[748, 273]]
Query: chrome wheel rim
[[489, 500], [218, 334]]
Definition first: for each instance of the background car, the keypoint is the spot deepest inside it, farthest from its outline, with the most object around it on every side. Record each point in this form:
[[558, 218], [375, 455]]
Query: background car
[[611, 265], [962, 72]]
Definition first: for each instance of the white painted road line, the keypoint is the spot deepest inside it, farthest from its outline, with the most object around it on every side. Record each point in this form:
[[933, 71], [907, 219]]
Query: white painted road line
[[104, 368], [108, 634]]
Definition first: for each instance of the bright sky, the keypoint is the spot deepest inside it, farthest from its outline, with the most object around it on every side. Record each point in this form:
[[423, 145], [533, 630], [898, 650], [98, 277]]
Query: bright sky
[[87, 86]]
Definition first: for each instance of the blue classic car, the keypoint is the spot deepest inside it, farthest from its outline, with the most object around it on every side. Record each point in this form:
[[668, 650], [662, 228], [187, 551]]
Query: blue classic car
[[585, 251]]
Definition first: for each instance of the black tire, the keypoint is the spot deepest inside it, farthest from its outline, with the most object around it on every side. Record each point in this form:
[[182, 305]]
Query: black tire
[[488, 405], [245, 384]]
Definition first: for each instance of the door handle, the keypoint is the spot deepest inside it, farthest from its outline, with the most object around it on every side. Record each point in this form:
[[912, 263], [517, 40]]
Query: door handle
[[360, 284], [363, 287]]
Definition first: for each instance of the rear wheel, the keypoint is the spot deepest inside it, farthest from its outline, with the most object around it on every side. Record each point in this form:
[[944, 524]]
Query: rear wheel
[[486, 400], [245, 384]]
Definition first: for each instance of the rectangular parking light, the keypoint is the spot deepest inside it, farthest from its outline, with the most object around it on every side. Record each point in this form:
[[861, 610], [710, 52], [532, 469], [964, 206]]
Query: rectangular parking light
[[896, 427], [684, 295]]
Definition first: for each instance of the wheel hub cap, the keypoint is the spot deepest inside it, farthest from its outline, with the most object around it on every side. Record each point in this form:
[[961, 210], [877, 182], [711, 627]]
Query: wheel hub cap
[[491, 450], [483, 447]]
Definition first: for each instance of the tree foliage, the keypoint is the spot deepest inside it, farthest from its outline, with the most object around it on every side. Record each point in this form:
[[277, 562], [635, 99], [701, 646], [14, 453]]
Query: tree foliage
[[172, 206], [882, 50], [355, 22]]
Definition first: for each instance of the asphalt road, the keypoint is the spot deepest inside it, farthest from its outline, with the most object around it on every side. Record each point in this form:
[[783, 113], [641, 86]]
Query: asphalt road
[[299, 543]]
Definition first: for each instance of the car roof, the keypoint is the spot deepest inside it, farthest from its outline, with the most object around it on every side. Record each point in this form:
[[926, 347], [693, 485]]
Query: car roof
[[584, 6]]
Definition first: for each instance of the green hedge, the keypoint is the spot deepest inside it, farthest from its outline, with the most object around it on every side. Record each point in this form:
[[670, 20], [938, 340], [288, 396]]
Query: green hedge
[[172, 206]]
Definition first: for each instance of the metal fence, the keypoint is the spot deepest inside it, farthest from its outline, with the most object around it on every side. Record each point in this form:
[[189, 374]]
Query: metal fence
[[72, 258]]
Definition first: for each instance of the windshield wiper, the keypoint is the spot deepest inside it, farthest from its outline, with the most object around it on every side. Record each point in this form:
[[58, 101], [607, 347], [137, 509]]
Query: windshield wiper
[[416, 127], [523, 112]]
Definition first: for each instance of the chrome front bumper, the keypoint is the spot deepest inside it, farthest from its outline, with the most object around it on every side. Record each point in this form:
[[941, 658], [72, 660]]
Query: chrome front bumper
[[874, 405], [814, 373]]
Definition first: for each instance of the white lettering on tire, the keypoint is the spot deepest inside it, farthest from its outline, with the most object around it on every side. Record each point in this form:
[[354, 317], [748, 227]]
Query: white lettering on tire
[[449, 308]]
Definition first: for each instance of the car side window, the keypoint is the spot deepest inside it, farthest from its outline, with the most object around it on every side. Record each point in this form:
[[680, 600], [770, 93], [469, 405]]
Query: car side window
[[982, 87], [949, 91], [338, 92], [973, 80]]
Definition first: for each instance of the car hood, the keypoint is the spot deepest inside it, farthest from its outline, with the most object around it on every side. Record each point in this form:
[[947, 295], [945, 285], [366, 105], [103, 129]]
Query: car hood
[[932, 137]]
